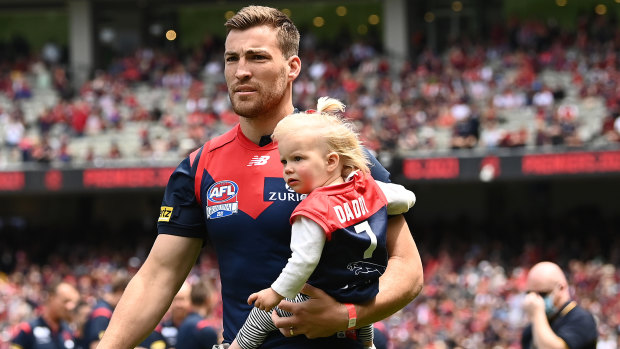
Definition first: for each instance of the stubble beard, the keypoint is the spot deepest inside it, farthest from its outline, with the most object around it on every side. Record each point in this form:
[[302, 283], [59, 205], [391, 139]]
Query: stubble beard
[[268, 99]]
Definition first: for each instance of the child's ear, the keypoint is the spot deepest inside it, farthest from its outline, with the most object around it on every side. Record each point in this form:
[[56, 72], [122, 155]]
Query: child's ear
[[333, 160]]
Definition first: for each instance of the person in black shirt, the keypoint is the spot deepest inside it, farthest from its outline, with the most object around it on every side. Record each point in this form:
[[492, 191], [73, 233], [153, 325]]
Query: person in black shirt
[[556, 320]]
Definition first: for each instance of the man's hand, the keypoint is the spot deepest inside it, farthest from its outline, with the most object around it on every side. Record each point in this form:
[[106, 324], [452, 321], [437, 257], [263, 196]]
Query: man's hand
[[320, 316], [265, 299], [533, 304]]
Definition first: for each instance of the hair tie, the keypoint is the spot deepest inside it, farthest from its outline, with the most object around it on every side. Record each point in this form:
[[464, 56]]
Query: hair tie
[[310, 111]]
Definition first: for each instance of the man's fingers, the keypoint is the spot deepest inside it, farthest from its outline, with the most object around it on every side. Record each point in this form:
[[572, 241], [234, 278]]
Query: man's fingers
[[283, 323], [286, 305]]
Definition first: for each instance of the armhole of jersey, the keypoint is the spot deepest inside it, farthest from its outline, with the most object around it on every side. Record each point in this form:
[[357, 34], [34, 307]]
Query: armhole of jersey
[[199, 165], [202, 157]]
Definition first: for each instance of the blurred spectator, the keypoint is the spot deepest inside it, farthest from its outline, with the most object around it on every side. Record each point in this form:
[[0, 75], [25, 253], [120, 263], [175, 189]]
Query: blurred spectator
[[50, 329], [101, 313], [115, 151], [555, 319], [199, 330], [610, 129], [180, 307]]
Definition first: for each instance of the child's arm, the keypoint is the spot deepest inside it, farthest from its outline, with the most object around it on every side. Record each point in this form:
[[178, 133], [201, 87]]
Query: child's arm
[[400, 200], [307, 241]]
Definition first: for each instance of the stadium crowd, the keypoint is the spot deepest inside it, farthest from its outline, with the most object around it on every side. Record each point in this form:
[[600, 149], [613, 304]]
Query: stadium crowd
[[529, 85], [474, 93]]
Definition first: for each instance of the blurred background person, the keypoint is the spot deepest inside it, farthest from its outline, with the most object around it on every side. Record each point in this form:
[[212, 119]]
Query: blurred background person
[[199, 330], [180, 307], [102, 311], [51, 329], [556, 320]]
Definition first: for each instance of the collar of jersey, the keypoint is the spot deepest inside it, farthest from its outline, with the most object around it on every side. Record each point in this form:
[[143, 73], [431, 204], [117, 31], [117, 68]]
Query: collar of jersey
[[248, 144]]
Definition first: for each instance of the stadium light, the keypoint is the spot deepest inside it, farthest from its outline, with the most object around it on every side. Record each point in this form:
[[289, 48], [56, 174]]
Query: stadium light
[[429, 17], [600, 9], [318, 21], [373, 19], [171, 35], [457, 6]]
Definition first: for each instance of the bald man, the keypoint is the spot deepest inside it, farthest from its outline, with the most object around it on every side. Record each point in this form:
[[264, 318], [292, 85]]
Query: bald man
[[556, 321]]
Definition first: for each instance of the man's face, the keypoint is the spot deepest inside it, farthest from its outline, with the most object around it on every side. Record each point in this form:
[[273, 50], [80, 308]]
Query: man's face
[[63, 303], [255, 70], [181, 304]]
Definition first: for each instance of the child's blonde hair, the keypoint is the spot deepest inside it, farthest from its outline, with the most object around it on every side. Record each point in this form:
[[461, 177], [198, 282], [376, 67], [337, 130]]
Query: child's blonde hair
[[338, 134]]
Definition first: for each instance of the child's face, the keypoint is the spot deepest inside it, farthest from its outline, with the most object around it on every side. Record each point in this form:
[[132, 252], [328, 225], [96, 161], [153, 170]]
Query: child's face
[[305, 162]]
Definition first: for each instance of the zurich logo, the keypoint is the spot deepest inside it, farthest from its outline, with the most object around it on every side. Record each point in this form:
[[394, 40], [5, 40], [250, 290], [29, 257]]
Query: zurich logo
[[222, 191]]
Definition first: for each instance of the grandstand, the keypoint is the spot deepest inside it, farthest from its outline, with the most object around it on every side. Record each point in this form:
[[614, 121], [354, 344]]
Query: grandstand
[[511, 144]]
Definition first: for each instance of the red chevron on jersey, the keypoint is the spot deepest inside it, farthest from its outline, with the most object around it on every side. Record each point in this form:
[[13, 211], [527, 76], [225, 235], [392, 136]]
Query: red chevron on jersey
[[236, 187]]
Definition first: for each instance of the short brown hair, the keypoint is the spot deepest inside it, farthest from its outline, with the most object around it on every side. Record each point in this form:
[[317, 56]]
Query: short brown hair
[[200, 293], [252, 16]]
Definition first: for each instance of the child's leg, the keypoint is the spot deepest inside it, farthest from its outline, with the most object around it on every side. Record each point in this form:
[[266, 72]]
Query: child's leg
[[258, 325], [254, 330], [366, 336]]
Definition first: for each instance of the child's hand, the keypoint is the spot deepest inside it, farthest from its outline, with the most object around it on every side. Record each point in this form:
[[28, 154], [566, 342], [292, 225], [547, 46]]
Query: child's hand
[[265, 299]]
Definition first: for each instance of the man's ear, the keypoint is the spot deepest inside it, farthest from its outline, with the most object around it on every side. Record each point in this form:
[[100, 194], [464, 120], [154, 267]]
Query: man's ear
[[333, 160], [294, 65]]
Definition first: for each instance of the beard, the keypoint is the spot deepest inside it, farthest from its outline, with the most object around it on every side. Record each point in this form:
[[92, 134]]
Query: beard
[[268, 98]]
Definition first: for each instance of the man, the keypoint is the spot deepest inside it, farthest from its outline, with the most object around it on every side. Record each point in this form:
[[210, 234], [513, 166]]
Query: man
[[51, 329], [556, 321], [180, 307], [198, 331], [232, 189], [101, 313], [99, 318]]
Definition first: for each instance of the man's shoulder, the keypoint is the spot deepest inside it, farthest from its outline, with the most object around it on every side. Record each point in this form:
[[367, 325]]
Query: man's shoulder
[[189, 322], [581, 315], [222, 140], [213, 144]]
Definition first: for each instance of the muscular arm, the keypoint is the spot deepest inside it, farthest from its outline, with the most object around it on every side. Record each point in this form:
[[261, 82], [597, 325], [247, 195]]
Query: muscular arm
[[150, 292], [402, 281]]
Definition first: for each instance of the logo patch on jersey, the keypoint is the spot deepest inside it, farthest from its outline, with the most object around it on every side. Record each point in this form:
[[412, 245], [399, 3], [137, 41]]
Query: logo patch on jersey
[[361, 267], [258, 160], [222, 200], [165, 212], [42, 334], [277, 190]]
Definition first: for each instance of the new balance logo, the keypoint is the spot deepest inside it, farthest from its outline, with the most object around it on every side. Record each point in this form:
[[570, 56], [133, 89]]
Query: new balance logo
[[258, 160]]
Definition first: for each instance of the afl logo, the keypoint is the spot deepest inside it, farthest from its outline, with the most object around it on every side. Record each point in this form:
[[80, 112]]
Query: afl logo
[[222, 191]]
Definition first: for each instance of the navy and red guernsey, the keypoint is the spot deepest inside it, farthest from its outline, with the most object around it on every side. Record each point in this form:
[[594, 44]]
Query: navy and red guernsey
[[37, 334], [354, 217], [196, 332], [97, 322], [231, 193]]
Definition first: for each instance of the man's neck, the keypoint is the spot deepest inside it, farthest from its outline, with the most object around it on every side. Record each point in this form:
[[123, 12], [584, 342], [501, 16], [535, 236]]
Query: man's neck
[[53, 323], [257, 127]]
